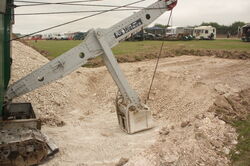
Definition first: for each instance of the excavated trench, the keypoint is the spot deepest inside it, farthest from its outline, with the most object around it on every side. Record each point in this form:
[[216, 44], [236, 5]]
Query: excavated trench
[[78, 111]]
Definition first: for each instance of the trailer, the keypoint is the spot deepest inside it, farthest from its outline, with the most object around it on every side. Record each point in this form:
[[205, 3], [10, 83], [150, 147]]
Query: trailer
[[205, 33], [179, 33], [48, 36]]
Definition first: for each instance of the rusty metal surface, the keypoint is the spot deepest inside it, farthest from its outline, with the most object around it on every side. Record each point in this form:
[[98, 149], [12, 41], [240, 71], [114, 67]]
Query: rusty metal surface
[[21, 141]]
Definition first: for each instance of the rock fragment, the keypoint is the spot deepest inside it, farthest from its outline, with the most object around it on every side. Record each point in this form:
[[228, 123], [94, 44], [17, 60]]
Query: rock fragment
[[185, 124], [122, 161]]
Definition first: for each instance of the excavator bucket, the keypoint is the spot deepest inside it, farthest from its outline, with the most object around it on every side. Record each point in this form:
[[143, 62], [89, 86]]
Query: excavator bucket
[[132, 119]]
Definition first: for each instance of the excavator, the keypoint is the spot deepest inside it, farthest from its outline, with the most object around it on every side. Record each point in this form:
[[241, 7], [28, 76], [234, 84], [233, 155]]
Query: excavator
[[21, 141]]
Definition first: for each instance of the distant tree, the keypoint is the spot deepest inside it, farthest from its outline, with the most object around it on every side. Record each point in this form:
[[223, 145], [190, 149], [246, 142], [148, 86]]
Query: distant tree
[[223, 29], [160, 25], [234, 27], [213, 24]]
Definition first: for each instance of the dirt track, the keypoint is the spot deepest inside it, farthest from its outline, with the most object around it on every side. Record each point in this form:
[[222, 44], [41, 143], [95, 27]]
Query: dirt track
[[79, 112]]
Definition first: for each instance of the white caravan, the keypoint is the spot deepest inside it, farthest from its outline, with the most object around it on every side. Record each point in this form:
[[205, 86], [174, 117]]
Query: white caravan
[[205, 33]]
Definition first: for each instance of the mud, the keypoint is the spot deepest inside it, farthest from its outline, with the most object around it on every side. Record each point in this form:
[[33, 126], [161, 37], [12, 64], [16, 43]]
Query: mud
[[187, 130]]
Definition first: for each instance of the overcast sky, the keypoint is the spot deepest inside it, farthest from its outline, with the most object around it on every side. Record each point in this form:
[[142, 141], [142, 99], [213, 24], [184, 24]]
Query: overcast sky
[[187, 12]]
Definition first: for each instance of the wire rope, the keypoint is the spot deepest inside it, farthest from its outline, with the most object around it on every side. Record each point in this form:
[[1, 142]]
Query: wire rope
[[157, 62], [76, 20]]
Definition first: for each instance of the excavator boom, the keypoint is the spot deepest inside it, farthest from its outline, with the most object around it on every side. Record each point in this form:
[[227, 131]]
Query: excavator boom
[[89, 49]]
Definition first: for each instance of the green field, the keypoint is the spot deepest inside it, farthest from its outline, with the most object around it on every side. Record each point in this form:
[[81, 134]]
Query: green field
[[56, 48]]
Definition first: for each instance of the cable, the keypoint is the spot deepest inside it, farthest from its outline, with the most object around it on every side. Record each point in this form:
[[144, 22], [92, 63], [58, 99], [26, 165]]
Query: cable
[[76, 20], [72, 3], [69, 12], [83, 11], [86, 5], [157, 63], [36, 3]]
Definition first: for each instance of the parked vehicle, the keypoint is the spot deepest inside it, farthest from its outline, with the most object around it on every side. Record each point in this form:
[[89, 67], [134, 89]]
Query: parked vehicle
[[157, 31], [47, 37], [205, 33], [245, 33], [179, 33], [149, 36], [143, 35], [79, 36], [36, 37], [59, 37], [174, 31], [137, 37]]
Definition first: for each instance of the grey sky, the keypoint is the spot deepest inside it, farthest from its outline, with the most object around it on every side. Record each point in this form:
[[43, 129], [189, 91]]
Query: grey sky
[[187, 12]]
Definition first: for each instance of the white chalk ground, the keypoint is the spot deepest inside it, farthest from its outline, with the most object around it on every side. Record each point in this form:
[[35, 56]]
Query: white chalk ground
[[184, 89]]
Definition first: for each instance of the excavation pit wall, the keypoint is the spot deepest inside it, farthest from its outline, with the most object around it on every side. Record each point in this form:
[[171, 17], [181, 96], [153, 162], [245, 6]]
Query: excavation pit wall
[[227, 54], [78, 111]]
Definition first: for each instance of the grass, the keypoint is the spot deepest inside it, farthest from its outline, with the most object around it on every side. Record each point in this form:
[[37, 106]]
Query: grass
[[241, 155], [53, 48], [56, 48]]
